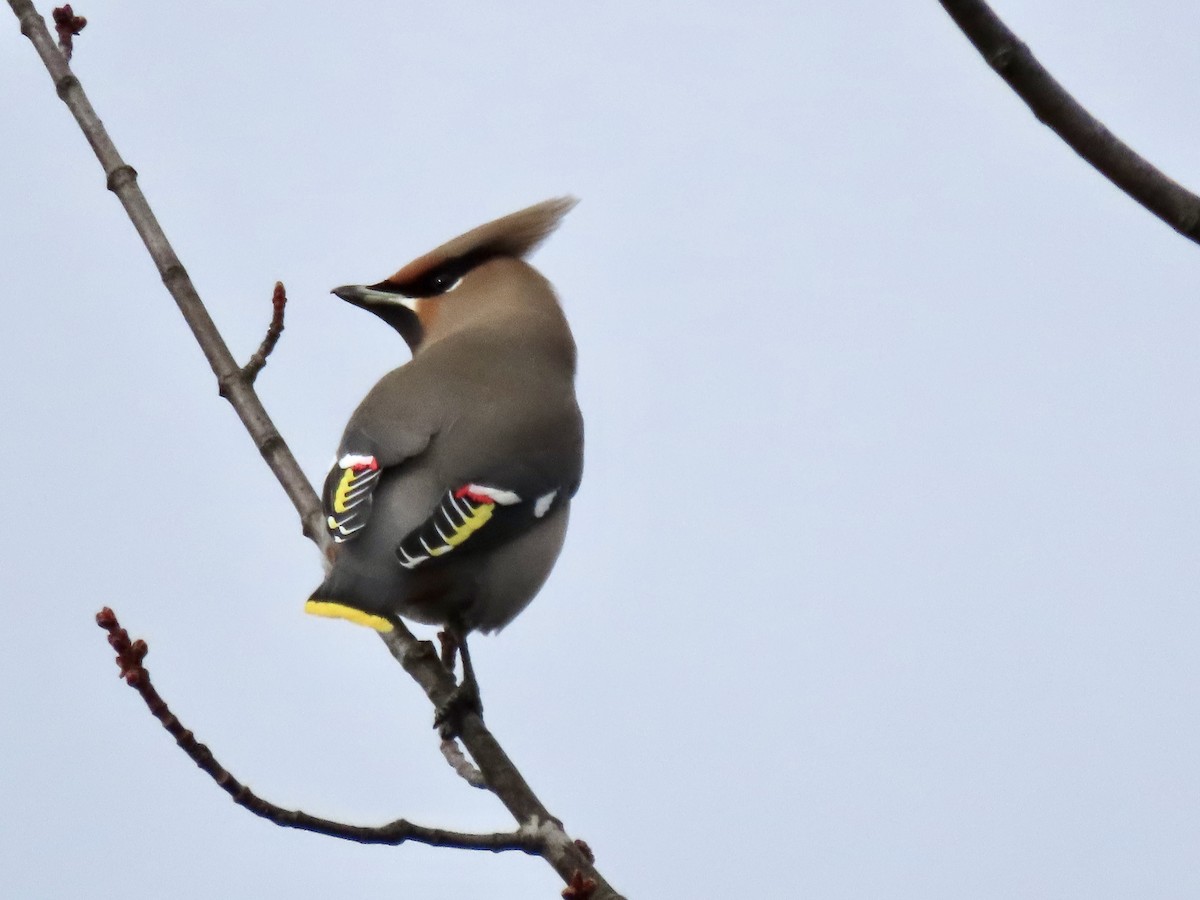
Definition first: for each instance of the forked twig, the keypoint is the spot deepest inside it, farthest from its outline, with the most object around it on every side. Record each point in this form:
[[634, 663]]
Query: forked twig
[[129, 660]]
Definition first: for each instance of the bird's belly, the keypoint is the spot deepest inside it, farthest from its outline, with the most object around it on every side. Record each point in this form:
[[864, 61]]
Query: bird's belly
[[511, 574]]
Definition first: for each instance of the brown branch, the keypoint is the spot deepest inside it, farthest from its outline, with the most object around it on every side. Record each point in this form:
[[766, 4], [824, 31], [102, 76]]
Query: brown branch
[[418, 658], [129, 660], [122, 181], [259, 359], [1063, 114]]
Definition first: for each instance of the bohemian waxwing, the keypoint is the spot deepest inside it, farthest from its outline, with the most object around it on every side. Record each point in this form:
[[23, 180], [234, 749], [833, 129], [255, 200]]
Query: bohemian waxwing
[[449, 495]]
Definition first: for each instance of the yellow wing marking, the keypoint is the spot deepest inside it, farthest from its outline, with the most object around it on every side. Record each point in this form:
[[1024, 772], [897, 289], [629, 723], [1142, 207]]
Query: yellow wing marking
[[471, 524], [343, 488]]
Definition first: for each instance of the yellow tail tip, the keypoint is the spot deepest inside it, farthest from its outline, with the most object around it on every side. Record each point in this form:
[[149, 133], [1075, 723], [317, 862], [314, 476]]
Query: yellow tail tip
[[332, 610]]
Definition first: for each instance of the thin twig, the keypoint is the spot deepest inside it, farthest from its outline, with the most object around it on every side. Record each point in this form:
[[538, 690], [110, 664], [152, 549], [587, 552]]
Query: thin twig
[[1063, 114], [259, 358], [129, 660], [417, 657]]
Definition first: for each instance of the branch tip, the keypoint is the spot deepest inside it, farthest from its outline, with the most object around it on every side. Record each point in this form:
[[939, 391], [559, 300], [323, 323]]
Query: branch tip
[[67, 25], [278, 303]]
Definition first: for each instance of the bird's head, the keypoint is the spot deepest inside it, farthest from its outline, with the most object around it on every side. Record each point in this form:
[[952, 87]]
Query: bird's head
[[466, 280]]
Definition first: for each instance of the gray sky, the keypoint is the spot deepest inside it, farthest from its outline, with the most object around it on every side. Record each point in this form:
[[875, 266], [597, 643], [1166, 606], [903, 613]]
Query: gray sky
[[882, 581]]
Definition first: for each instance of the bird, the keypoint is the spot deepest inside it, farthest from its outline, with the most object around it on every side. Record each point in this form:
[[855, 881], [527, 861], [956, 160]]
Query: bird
[[450, 492]]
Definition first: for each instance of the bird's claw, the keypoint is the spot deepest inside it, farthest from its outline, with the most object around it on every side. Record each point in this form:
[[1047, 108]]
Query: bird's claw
[[448, 718]]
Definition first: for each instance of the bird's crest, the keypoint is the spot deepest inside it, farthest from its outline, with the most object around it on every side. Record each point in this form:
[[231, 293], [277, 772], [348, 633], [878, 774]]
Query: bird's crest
[[517, 235]]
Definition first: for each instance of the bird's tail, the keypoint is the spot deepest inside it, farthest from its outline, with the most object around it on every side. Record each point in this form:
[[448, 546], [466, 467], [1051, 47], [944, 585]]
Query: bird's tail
[[328, 600]]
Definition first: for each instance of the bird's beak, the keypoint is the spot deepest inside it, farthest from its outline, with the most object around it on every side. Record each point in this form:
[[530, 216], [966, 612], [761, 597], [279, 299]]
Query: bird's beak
[[362, 295]]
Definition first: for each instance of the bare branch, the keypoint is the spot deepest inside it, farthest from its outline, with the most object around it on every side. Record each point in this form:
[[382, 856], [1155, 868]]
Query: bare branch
[[129, 660], [122, 181], [1059, 111], [274, 330], [418, 658]]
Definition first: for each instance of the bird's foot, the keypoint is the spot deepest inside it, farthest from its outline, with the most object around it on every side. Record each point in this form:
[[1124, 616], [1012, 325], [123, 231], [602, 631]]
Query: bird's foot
[[465, 698], [449, 643], [449, 716]]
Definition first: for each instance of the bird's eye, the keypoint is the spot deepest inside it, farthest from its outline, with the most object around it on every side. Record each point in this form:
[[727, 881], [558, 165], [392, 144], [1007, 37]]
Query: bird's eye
[[435, 282], [444, 282]]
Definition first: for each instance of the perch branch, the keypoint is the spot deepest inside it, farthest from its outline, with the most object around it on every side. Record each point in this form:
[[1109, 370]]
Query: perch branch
[[1062, 113], [418, 658], [129, 660]]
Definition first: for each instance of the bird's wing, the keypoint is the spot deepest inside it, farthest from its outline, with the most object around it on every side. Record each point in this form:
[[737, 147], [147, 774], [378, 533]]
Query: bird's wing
[[346, 498], [513, 474], [355, 473], [474, 508]]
